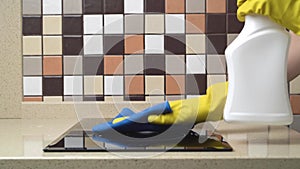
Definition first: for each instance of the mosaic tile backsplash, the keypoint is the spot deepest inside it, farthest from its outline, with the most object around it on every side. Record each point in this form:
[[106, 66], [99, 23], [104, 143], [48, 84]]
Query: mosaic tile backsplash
[[94, 50]]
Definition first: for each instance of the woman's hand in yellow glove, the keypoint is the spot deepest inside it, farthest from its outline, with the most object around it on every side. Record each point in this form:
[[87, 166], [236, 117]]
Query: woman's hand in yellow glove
[[208, 107], [283, 12]]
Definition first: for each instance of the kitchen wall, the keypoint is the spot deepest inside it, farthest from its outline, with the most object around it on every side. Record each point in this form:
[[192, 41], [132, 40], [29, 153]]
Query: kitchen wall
[[132, 50]]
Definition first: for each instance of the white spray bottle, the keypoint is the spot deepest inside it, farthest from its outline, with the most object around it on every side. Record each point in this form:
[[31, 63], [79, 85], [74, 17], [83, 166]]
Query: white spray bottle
[[257, 72]]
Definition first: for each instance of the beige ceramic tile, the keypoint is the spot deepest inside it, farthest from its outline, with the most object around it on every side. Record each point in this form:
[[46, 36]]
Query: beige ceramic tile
[[52, 99], [155, 99], [52, 45], [213, 79], [154, 85], [154, 24], [93, 85], [195, 44], [295, 86], [231, 38], [52, 25], [32, 45]]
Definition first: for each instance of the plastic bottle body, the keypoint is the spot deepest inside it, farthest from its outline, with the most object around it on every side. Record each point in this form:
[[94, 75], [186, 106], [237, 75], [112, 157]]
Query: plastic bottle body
[[257, 70]]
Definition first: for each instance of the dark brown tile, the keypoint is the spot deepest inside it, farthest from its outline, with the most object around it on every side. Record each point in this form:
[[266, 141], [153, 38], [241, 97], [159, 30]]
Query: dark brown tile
[[134, 98], [175, 44], [113, 45], [93, 98], [32, 26], [154, 64], [196, 84], [72, 25], [155, 6], [93, 65], [93, 6], [52, 86], [114, 6], [72, 45], [233, 25], [231, 6], [216, 44], [215, 23]]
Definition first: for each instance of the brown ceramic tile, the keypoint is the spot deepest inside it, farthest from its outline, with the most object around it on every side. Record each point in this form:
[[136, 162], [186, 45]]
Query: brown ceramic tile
[[295, 103], [154, 64], [216, 6], [52, 86], [93, 65], [215, 23], [32, 99], [175, 44], [113, 44], [216, 43], [175, 6], [195, 23], [134, 85], [196, 84], [175, 84], [113, 64], [155, 6], [72, 25], [114, 6], [93, 6], [72, 45], [32, 25], [52, 65], [233, 25], [134, 44]]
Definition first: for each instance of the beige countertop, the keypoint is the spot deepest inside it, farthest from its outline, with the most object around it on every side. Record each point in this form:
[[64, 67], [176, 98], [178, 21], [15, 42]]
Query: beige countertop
[[22, 141]]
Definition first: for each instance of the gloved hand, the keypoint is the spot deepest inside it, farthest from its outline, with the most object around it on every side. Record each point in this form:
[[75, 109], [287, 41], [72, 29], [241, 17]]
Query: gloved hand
[[208, 107], [160, 117], [283, 12]]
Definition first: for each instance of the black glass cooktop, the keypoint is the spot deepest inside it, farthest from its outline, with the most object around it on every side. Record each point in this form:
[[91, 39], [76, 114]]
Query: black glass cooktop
[[80, 138]]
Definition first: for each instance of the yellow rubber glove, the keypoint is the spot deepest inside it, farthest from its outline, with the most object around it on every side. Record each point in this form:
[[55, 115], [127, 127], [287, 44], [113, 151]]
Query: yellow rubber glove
[[208, 107], [283, 12]]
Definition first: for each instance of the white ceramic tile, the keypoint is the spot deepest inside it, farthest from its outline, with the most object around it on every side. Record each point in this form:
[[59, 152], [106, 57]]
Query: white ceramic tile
[[93, 44], [134, 6], [195, 64], [113, 24], [52, 6], [32, 86], [73, 142], [93, 24], [154, 44], [113, 85], [72, 85], [175, 23]]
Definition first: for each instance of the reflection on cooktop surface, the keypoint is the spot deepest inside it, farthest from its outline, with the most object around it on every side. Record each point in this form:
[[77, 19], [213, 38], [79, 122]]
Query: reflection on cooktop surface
[[80, 138]]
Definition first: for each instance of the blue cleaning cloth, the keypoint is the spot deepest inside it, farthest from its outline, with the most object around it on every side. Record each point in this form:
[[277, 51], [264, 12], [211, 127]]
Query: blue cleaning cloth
[[136, 122]]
